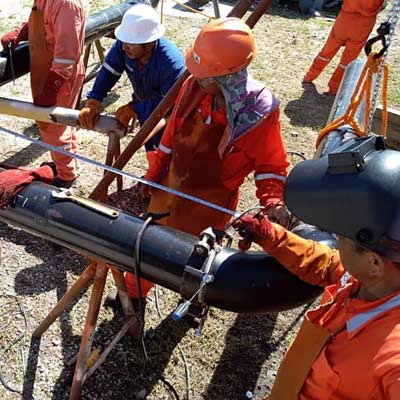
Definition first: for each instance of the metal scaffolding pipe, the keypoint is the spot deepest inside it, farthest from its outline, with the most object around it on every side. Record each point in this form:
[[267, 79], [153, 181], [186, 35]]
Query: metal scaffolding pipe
[[342, 100], [58, 115]]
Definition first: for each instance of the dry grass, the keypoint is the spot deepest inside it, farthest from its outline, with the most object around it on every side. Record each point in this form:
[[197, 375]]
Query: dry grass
[[236, 353]]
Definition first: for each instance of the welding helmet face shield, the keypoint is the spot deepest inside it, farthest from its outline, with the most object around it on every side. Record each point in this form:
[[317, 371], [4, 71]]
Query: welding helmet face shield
[[354, 192]]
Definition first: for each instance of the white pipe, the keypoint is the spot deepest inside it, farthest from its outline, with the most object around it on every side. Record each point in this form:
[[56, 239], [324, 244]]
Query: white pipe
[[58, 115]]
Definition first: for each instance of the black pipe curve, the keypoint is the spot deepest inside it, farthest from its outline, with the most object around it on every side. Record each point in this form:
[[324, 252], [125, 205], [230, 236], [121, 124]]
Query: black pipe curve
[[244, 282]]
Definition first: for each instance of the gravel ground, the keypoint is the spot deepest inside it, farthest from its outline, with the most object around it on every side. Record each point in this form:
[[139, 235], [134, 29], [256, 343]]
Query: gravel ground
[[236, 353]]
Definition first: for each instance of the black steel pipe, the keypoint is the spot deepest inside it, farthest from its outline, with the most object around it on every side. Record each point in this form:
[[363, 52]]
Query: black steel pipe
[[244, 282], [97, 26]]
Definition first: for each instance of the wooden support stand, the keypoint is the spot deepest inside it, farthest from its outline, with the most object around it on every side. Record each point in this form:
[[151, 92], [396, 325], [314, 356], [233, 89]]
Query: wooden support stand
[[97, 272]]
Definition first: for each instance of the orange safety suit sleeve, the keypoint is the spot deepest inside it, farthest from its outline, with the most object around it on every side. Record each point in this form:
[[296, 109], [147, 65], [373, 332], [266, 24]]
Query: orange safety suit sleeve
[[67, 20], [270, 161], [159, 159], [311, 261]]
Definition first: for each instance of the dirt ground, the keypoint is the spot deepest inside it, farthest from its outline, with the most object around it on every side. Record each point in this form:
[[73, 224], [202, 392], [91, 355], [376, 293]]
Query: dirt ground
[[238, 354]]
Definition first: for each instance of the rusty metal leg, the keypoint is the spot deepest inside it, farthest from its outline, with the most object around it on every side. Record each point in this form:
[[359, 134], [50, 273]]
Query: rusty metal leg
[[88, 332], [117, 153], [69, 297], [126, 302], [100, 50], [113, 152], [85, 63]]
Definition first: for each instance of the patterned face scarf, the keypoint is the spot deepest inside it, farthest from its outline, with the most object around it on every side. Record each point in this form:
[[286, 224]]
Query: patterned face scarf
[[247, 102]]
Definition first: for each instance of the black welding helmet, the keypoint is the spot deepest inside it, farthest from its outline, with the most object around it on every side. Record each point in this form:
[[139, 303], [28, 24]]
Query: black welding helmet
[[353, 192]]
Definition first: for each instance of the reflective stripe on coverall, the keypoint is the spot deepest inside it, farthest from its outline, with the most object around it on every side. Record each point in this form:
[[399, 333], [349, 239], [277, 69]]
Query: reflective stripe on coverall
[[56, 37], [347, 348], [351, 30], [189, 147]]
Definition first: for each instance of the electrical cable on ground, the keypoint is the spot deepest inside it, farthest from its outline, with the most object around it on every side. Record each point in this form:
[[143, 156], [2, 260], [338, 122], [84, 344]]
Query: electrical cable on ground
[[181, 352], [22, 312], [136, 265]]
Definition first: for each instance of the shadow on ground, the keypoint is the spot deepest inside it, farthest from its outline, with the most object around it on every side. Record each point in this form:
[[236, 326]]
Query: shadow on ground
[[310, 109], [40, 278]]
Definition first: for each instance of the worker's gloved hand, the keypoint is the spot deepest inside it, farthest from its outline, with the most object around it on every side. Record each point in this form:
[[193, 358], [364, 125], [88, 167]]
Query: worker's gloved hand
[[14, 37], [12, 181], [278, 213], [48, 95], [252, 228], [90, 114], [125, 114]]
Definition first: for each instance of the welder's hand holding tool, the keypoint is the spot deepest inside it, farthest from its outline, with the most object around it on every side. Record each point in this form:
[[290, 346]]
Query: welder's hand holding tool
[[13, 38], [252, 228], [12, 181]]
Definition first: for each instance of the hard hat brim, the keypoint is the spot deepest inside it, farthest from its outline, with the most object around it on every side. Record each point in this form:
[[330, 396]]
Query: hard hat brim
[[124, 37]]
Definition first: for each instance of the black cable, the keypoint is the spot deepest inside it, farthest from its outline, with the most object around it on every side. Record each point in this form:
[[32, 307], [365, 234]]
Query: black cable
[[20, 336], [181, 352], [296, 153], [136, 266]]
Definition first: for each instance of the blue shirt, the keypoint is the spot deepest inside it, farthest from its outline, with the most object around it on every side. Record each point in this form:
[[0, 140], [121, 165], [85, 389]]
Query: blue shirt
[[150, 84]]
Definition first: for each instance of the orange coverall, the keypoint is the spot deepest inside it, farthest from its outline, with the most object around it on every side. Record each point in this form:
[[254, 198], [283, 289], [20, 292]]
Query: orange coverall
[[56, 39], [347, 348], [188, 160], [351, 30]]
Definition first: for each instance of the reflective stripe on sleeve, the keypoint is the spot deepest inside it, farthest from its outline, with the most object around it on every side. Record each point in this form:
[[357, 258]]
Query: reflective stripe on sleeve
[[164, 149], [111, 69]]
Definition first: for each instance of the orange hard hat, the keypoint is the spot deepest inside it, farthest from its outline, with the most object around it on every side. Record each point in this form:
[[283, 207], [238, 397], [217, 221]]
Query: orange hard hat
[[223, 46]]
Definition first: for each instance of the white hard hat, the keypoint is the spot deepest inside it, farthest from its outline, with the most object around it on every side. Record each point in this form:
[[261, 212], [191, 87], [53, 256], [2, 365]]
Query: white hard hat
[[140, 24]]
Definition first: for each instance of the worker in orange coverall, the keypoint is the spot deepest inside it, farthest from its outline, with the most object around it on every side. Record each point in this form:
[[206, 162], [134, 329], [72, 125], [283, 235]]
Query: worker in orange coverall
[[351, 30], [349, 347], [56, 32], [223, 126]]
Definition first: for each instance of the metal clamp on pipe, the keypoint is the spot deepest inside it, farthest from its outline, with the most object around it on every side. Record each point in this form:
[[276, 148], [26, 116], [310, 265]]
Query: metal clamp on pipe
[[198, 274]]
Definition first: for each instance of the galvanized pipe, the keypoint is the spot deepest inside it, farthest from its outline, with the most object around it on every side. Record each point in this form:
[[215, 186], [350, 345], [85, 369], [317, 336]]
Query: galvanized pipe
[[342, 100], [58, 115]]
